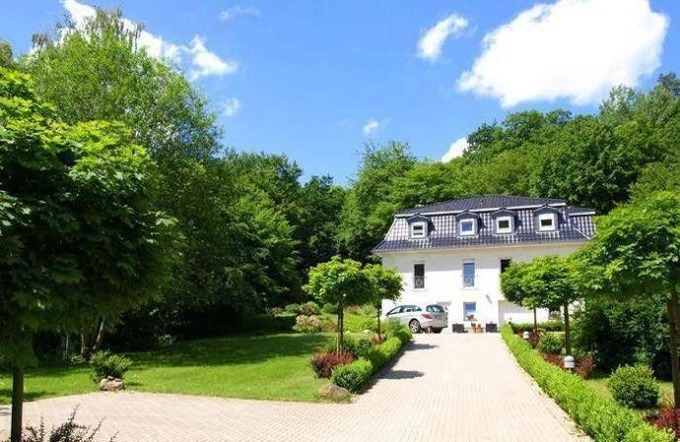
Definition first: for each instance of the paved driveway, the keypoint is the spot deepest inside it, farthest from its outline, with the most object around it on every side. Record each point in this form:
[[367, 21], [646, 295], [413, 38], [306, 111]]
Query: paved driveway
[[445, 387]]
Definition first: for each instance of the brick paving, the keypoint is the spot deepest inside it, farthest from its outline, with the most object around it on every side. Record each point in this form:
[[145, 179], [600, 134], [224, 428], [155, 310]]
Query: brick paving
[[444, 387]]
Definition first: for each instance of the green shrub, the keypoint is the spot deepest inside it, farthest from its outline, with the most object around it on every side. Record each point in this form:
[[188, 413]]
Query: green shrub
[[308, 324], [358, 323], [105, 364], [352, 376], [381, 355], [550, 343], [634, 386], [330, 309], [310, 308], [359, 347], [601, 417], [292, 308], [550, 326], [394, 328], [69, 431]]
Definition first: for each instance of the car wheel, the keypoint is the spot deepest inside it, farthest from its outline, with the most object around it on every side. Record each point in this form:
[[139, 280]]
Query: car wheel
[[414, 325]]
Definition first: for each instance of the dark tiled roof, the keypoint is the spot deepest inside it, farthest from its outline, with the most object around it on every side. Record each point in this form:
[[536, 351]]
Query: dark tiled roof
[[481, 203], [574, 224]]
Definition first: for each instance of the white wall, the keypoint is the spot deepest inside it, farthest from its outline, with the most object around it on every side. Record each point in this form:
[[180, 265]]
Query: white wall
[[444, 279]]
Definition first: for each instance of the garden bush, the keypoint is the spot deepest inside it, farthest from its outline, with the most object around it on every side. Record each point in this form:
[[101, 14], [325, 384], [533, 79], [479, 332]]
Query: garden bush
[[324, 363], [330, 309], [585, 366], [352, 376], [382, 354], [307, 324], [310, 308], [292, 309], [358, 346], [105, 364], [69, 431], [601, 417], [668, 419], [549, 326], [550, 343], [394, 328], [634, 386]]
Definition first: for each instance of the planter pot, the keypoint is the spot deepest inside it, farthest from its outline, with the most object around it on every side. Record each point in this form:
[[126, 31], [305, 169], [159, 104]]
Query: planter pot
[[457, 328], [491, 327]]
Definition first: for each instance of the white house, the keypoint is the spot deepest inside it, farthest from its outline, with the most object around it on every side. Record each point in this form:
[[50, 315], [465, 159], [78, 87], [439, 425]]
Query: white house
[[453, 253]]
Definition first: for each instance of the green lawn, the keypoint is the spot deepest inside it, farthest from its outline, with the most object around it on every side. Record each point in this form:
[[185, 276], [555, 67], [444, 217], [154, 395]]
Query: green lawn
[[254, 367]]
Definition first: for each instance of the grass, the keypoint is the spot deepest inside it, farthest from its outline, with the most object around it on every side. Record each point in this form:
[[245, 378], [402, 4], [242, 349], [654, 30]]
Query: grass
[[274, 367]]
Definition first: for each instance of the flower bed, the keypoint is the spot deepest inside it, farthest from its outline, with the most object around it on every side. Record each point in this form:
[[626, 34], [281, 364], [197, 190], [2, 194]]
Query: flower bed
[[602, 418]]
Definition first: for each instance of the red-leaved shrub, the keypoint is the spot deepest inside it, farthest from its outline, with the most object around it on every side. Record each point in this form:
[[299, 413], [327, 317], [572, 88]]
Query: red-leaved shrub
[[323, 363], [584, 367], [668, 418], [554, 359]]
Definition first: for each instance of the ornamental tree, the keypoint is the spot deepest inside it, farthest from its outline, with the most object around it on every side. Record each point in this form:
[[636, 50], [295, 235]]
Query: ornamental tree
[[636, 253], [386, 284], [79, 239], [546, 282], [341, 281]]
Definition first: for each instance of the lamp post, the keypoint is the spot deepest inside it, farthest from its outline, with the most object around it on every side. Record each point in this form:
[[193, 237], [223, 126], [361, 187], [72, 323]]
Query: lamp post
[[569, 362]]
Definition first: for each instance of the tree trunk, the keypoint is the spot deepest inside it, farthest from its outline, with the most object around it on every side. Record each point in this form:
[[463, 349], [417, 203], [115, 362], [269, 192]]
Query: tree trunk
[[17, 404], [535, 322], [91, 342], [567, 332], [673, 322], [84, 346], [99, 337], [379, 336], [341, 326]]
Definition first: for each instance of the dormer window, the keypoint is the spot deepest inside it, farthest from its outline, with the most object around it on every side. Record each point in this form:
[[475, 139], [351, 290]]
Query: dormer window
[[547, 222], [468, 227], [504, 224], [418, 230]]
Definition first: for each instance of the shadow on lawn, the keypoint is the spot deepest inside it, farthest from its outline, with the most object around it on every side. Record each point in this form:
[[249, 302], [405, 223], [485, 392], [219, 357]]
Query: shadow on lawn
[[28, 396], [232, 350]]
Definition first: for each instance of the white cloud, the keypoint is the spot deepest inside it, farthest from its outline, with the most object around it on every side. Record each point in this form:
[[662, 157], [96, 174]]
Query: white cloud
[[575, 49], [373, 125], [432, 41], [231, 107], [235, 11], [206, 62], [456, 149], [201, 60]]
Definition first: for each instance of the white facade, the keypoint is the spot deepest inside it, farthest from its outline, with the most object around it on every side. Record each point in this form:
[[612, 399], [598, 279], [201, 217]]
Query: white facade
[[479, 293]]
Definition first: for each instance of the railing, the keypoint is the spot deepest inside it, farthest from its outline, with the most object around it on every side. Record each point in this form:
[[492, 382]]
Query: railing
[[468, 280], [418, 282]]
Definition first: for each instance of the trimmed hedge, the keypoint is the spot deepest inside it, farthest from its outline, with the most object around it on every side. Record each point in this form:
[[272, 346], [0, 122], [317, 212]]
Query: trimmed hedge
[[602, 418], [551, 326], [358, 373]]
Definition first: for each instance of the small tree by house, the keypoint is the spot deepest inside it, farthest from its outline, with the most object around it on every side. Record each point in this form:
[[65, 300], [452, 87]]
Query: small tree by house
[[386, 283], [79, 239], [636, 253], [545, 282], [343, 282]]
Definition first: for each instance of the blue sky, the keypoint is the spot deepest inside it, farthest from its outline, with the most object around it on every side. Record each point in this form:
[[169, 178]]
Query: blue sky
[[316, 79]]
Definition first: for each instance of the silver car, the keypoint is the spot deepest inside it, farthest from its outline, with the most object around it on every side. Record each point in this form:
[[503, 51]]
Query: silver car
[[429, 317]]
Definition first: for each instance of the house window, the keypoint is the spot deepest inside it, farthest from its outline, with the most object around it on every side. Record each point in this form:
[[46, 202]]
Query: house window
[[418, 230], [505, 263], [468, 274], [504, 224], [419, 276], [546, 222], [468, 227], [469, 311]]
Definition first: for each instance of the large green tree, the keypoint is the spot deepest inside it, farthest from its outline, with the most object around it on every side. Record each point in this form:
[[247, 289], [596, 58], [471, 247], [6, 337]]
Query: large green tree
[[80, 239], [636, 253]]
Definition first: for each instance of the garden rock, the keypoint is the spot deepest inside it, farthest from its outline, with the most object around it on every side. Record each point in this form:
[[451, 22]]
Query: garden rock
[[111, 384], [333, 392]]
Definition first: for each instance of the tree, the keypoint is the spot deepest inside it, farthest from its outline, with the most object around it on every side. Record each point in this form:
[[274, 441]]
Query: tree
[[546, 282], [635, 253], [386, 284], [79, 238], [342, 282]]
